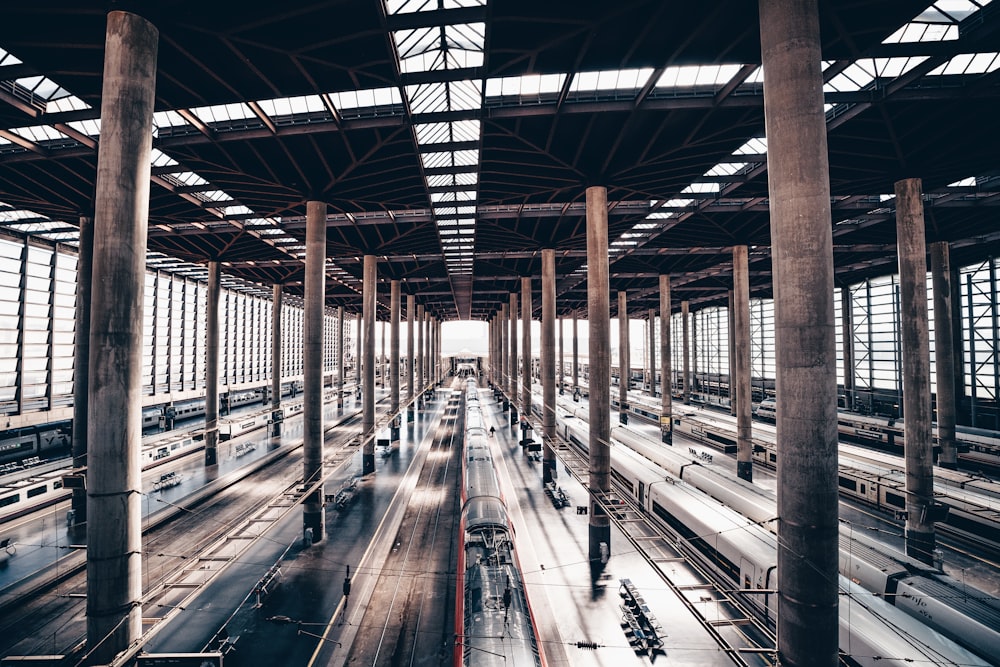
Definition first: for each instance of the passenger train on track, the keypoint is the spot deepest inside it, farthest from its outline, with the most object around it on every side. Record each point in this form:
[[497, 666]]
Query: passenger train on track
[[961, 612], [742, 555], [493, 624]]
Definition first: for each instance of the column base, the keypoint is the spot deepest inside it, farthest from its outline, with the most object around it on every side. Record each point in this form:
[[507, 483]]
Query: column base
[[367, 464], [211, 456], [667, 437], [948, 465], [513, 414], [920, 545], [744, 470], [505, 406], [313, 520], [599, 535], [394, 433], [549, 471], [276, 430], [409, 415]]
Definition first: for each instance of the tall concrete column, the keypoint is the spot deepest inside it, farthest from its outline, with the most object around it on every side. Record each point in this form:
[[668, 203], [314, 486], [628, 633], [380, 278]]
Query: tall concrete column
[[547, 346], [114, 419], [394, 302], [599, 343], [512, 390], [526, 347], [419, 370], [805, 355], [652, 351], [944, 353], [212, 366], [741, 345], [732, 352], [359, 350], [81, 361], [666, 368], [576, 351], [624, 358], [341, 329], [562, 356], [919, 450], [502, 347], [686, 342], [426, 370], [411, 320], [383, 358], [368, 290], [695, 385], [275, 359], [312, 366], [847, 343]]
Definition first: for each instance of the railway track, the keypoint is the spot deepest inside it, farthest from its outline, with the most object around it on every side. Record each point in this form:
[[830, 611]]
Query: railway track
[[45, 615]]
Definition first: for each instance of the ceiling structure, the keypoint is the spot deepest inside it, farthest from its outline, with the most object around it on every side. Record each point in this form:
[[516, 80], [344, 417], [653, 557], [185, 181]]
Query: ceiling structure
[[454, 139]]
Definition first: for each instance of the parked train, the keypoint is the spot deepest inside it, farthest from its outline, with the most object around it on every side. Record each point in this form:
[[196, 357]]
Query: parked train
[[493, 624], [743, 556], [957, 610], [44, 441]]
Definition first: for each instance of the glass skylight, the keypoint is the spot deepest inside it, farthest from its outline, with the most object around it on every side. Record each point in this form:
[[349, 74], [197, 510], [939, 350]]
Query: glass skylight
[[223, 113], [433, 133], [701, 188], [38, 133], [527, 85], [969, 182], [861, 73], [67, 103], [7, 58], [160, 159], [167, 119], [938, 23], [291, 106], [753, 146], [90, 127], [726, 169], [367, 99], [610, 80], [697, 75], [969, 63]]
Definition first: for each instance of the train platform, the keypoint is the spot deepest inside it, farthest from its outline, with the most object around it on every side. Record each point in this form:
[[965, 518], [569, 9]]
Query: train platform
[[583, 621]]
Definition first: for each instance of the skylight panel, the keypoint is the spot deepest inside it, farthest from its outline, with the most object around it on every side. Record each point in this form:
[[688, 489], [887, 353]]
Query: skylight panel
[[168, 119], [465, 95], [90, 127], [610, 80], [367, 99], [160, 159], [18, 214], [527, 85], [753, 146], [223, 113], [292, 106], [726, 169], [212, 195], [38, 133], [968, 63], [861, 73], [235, 210], [414, 42], [465, 36], [433, 133], [7, 58], [697, 75], [701, 188], [969, 182], [461, 195], [67, 103], [938, 23]]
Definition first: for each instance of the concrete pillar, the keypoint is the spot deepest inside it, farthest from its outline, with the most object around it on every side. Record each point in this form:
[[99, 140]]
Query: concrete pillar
[[419, 370], [81, 362], [506, 363], [695, 384], [512, 390], [576, 351], [425, 372], [944, 353], [526, 347], [359, 351], [114, 419], [369, 287], [624, 358], [394, 303], [340, 356], [805, 356], [847, 343], [312, 362], [732, 353], [411, 319], [382, 359], [686, 342], [919, 451], [212, 366], [666, 368], [562, 357], [651, 319], [741, 345], [275, 360], [547, 346], [598, 314]]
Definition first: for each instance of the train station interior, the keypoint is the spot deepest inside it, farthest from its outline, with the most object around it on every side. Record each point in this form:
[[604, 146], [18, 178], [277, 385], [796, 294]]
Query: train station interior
[[495, 332]]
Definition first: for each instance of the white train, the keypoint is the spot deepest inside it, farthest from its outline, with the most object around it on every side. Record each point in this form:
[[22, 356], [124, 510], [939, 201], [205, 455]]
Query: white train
[[963, 613], [744, 556]]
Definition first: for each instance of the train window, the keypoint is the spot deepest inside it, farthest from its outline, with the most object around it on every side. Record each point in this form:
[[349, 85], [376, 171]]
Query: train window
[[57, 484], [10, 500], [846, 483], [863, 491], [895, 500], [37, 491]]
